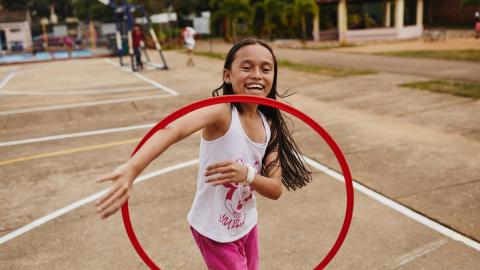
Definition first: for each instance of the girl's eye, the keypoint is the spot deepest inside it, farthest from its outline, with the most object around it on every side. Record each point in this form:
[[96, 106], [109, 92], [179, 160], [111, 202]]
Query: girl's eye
[[267, 70], [245, 67]]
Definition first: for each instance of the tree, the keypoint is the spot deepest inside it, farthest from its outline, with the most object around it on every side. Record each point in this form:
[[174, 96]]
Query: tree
[[231, 11], [274, 16], [37, 8], [302, 8], [258, 19], [92, 10]]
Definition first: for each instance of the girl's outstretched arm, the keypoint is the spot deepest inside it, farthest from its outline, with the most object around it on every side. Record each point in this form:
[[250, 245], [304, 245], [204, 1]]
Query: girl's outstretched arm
[[269, 186], [124, 175]]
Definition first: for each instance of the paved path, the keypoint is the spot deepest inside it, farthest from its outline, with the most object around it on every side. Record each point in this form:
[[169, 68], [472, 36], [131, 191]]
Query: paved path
[[434, 68]]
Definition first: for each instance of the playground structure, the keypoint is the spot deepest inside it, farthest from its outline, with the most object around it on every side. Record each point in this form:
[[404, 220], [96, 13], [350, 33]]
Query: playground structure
[[124, 23]]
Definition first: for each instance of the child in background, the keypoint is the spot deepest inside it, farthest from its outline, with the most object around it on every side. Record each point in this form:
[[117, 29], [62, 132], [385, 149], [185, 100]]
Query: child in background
[[244, 149], [188, 34], [137, 40]]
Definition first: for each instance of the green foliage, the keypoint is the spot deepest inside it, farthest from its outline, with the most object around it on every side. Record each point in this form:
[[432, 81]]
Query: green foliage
[[275, 16], [457, 88], [92, 10], [231, 11], [470, 2], [39, 8], [463, 55], [301, 9], [265, 18]]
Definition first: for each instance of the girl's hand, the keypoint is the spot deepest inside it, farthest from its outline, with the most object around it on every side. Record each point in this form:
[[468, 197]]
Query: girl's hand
[[226, 172], [119, 193]]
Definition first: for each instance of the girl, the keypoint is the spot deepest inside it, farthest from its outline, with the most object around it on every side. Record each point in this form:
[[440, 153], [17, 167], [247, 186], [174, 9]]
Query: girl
[[243, 148]]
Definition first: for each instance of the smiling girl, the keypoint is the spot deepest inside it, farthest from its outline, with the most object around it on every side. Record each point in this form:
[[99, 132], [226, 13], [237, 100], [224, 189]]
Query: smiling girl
[[244, 149]]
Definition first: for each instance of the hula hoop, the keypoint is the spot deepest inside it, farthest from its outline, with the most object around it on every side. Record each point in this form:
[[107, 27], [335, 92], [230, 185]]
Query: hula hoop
[[260, 101]]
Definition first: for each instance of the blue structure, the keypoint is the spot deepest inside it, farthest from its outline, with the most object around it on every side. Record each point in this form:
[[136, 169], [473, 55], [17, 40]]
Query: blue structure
[[124, 16]]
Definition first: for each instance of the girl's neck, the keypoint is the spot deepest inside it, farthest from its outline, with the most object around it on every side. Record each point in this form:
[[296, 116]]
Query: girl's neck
[[249, 110]]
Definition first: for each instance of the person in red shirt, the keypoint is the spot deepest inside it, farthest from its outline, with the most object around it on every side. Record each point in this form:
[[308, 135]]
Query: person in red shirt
[[137, 39], [68, 42]]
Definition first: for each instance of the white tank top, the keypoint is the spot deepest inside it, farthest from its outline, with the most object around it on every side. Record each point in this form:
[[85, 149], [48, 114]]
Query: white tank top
[[226, 213]]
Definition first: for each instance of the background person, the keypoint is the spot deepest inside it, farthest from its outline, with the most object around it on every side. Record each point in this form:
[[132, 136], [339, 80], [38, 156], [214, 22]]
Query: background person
[[188, 34], [137, 40]]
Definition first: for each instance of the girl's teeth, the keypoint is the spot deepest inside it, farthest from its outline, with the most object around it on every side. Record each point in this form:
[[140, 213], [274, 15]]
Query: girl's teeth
[[255, 86]]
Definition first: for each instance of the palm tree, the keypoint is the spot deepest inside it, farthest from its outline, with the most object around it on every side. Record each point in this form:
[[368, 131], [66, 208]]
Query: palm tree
[[301, 8], [274, 15], [231, 11], [258, 18]]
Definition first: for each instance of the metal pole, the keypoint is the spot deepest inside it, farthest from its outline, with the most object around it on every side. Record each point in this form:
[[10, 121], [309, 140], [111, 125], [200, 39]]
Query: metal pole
[[118, 37], [128, 9]]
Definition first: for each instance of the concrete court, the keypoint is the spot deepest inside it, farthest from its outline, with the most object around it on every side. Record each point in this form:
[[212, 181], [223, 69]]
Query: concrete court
[[427, 165]]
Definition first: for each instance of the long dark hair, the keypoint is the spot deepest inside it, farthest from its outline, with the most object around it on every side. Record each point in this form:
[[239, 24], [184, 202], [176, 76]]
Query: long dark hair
[[294, 173]]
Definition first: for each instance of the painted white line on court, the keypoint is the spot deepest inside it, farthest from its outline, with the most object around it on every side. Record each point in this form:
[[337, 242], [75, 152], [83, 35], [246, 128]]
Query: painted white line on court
[[419, 252], [8, 78], [398, 207], [74, 135], [86, 200], [76, 92], [81, 104], [143, 78], [155, 65]]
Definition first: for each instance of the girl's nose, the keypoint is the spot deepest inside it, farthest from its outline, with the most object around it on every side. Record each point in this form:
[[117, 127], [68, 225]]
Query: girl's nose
[[256, 72]]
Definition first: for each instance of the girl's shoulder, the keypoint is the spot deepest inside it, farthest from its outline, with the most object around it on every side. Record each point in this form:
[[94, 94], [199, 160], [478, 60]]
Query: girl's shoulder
[[221, 113], [220, 109], [221, 121]]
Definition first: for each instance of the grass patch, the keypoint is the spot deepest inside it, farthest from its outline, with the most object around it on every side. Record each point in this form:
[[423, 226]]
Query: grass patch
[[215, 55], [457, 88], [320, 47], [464, 55], [329, 71]]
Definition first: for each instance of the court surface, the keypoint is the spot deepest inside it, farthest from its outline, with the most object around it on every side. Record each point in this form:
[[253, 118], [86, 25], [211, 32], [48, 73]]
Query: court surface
[[414, 156]]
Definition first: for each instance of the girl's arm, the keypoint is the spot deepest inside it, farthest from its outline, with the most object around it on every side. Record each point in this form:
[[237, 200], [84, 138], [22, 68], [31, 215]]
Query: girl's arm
[[269, 186], [124, 175]]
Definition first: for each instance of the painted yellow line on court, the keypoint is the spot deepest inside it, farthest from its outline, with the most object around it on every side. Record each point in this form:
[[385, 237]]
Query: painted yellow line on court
[[67, 151]]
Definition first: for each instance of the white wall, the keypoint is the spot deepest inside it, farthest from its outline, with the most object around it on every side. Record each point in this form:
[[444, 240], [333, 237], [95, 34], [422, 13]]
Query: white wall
[[407, 32], [410, 32], [24, 35]]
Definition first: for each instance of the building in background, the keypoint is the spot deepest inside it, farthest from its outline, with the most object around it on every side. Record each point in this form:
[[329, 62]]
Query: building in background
[[358, 20], [15, 33]]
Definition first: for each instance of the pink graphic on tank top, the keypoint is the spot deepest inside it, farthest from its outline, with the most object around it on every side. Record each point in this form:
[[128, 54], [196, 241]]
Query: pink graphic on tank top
[[236, 198]]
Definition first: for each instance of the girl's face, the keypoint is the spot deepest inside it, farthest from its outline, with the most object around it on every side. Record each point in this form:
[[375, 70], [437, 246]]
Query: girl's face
[[252, 71]]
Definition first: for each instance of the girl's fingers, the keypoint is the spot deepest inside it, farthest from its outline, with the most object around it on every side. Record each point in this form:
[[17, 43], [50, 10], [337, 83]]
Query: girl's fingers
[[115, 206], [106, 177], [120, 191], [217, 170], [110, 193], [221, 177], [219, 164]]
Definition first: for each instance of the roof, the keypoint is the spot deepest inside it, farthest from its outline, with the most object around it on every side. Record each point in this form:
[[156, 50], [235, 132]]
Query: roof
[[8, 16]]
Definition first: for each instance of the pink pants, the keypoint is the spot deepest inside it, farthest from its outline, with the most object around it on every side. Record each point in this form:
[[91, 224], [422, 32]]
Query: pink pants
[[241, 254]]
